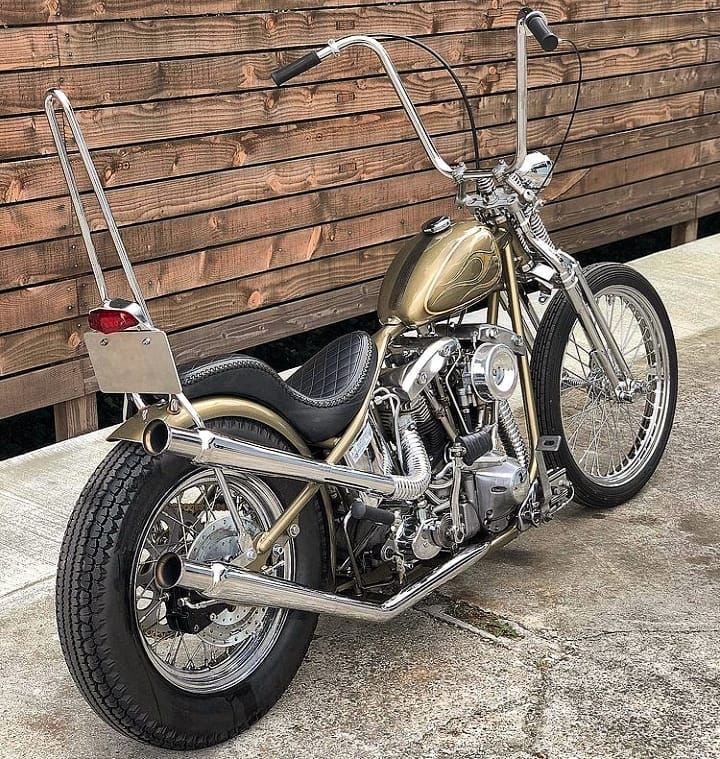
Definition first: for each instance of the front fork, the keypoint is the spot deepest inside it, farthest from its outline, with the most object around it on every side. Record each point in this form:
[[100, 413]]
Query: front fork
[[604, 345], [577, 290], [606, 349]]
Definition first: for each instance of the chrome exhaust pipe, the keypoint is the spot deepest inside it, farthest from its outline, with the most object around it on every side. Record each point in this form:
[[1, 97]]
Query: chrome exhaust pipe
[[206, 447], [237, 586]]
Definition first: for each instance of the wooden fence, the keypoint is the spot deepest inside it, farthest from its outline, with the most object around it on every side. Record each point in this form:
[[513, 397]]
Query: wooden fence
[[254, 212]]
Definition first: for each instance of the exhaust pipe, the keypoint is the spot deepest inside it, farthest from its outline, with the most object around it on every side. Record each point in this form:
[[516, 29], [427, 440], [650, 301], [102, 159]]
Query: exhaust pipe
[[237, 586], [206, 447]]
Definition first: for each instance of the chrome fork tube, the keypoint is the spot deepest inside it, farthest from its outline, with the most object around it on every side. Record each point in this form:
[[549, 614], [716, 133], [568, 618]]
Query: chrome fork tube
[[596, 327], [582, 300]]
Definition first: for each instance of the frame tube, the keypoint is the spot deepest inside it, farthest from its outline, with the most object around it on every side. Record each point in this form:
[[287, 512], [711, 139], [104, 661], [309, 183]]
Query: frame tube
[[518, 325]]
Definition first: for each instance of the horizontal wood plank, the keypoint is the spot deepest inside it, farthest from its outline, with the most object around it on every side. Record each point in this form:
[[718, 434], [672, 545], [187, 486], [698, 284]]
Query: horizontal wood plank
[[28, 48], [15, 12], [254, 212], [44, 387], [161, 38]]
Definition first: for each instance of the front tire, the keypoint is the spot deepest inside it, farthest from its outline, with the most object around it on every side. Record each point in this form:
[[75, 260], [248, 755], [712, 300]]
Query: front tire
[[99, 594], [609, 449]]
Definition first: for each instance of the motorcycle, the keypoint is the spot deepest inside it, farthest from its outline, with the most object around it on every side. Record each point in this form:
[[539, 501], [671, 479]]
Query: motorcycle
[[237, 506]]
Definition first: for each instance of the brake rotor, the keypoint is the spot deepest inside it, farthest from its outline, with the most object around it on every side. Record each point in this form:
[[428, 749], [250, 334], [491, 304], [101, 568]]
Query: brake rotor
[[221, 540]]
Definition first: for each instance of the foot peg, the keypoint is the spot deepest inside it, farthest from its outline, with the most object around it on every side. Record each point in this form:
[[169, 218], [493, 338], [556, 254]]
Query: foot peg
[[556, 489], [361, 511], [476, 444]]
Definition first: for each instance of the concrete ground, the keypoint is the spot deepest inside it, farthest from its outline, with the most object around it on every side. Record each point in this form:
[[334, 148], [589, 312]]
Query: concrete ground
[[597, 636]]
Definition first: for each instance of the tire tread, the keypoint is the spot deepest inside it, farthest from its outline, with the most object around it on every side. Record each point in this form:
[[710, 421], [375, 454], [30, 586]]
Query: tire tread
[[89, 541]]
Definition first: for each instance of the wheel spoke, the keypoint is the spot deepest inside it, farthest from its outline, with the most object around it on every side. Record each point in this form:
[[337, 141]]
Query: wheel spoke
[[236, 639], [611, 439]]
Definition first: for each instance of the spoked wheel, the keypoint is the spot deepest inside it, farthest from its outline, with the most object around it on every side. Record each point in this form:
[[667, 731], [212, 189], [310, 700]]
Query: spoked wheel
[[171, 667], [609, 447], [203, 647]]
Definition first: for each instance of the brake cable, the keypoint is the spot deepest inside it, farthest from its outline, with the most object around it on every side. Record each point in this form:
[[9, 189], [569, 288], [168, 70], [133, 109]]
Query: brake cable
[[454, 77], [573, 113]]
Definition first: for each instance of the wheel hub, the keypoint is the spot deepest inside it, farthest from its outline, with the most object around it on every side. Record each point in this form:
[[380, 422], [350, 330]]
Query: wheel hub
[[222, 541]]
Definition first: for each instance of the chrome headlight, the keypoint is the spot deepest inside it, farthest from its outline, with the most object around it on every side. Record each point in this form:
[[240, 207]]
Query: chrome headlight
[[494, 372], [536, 171]]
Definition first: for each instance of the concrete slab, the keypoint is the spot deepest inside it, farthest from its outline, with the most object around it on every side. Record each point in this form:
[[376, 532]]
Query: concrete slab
[[608, 622], [37, 493]]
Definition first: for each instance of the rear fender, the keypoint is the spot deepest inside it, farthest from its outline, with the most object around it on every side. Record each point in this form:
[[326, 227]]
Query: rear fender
[[218, 407]]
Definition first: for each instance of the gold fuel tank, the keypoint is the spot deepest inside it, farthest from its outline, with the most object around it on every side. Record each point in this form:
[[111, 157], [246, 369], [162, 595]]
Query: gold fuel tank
[[437, 274]]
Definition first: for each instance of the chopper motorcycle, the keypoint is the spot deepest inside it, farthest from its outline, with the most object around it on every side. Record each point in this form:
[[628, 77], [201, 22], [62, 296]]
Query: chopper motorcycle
[[238, 505]]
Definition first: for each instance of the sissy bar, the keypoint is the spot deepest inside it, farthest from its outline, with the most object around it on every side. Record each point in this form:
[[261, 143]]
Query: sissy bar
[[128, 353]]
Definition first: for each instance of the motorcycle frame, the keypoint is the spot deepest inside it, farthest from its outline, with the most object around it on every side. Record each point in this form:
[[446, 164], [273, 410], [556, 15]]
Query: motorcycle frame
[[567, 269]]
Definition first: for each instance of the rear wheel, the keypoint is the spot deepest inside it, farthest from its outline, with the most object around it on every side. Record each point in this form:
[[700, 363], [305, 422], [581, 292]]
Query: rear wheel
[[170, 667], [609, 448]]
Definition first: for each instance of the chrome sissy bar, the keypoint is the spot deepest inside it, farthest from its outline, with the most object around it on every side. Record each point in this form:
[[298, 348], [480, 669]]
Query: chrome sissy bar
[[130, 362], [58, 97]]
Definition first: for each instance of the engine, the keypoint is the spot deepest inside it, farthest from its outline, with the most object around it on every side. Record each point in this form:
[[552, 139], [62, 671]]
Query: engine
[[452, 390]]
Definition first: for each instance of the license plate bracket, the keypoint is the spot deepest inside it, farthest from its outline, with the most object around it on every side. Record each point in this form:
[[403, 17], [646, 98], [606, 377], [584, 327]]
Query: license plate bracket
[[134, 362]]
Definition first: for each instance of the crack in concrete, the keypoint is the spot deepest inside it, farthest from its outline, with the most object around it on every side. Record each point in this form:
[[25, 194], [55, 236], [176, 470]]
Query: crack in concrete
[[448, 725], [435, 612], [27, 586], [553, 652], [536, 715]]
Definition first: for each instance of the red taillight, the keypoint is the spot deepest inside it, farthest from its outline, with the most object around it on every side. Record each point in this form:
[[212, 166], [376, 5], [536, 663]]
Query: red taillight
[[108, 320]]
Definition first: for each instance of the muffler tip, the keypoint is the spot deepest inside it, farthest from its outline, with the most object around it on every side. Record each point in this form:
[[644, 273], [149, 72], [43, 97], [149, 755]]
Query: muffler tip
[[156, 437], [168, 570]]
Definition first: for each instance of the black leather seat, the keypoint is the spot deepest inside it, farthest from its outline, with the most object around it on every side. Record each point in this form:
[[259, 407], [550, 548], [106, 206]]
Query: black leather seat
[[319, 399]]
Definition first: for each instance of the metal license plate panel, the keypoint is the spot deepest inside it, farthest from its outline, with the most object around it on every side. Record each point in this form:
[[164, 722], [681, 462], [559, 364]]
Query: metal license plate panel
[[133, 362]]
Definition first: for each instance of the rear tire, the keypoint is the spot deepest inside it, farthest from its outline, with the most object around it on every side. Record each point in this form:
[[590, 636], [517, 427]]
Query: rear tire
[[96, 615], [561, 362]]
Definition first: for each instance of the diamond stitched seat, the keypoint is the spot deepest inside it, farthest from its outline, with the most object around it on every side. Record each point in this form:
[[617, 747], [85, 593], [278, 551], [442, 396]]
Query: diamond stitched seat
[[320, 399]]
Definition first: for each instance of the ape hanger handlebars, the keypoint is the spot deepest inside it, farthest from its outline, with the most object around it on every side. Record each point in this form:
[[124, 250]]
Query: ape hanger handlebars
[[528, 22]]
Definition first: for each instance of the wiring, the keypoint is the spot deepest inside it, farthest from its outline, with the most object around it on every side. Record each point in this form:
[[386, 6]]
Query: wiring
[[572, 114], [456, 80], [466, 99]]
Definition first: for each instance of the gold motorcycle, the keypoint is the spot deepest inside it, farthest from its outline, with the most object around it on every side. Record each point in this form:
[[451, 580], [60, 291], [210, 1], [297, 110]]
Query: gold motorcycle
[[238, 505]]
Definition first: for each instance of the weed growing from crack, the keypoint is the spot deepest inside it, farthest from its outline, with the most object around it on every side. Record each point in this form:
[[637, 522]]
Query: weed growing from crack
[[485, 620]]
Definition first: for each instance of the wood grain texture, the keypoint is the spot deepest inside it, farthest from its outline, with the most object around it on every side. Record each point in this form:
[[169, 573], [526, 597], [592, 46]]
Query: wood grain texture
[[254, 213], [75, 417], [58, 11], [116, 83]]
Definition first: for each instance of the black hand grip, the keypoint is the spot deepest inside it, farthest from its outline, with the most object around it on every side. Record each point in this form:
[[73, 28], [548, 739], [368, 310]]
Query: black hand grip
[[536, 23], [300, 66]]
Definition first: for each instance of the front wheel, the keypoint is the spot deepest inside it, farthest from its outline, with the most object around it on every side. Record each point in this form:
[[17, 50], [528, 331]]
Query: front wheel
[[609, 448], [170, 667]]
